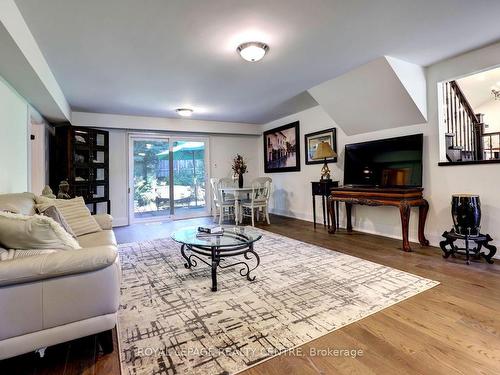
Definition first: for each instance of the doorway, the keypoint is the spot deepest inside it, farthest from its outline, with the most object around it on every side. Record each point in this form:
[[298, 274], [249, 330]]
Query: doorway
[[168, 177]]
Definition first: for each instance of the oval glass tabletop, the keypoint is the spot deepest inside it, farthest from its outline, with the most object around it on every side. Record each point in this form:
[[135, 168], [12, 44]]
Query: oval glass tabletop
[[233, 236]]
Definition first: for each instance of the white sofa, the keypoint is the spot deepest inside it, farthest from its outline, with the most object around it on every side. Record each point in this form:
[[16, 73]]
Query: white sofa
[[52, 298]]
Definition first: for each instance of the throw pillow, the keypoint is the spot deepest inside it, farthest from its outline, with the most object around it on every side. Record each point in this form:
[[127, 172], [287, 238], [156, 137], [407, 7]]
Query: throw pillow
[[54, 213], [74, 211], [33, 232]]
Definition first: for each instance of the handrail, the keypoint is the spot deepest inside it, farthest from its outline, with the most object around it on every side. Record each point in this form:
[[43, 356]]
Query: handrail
[[464, 127], [463, 100]]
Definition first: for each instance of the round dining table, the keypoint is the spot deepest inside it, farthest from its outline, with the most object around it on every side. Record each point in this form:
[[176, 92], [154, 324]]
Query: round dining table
[[239, 194]]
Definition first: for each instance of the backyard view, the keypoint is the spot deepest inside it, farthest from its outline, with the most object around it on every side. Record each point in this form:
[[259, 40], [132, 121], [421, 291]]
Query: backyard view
[[152, 178]]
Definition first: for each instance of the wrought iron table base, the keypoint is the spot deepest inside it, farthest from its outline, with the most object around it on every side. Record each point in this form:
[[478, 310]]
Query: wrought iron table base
[[217, 254], [449, 248]]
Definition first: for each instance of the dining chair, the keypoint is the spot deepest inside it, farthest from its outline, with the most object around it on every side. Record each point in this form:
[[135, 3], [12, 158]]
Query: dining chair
[[224, 203], [259, 199], [227, 182], [213, 186]]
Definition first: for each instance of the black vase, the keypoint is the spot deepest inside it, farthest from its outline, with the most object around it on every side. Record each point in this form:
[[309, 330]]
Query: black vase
[[466, 212], [240, 180]]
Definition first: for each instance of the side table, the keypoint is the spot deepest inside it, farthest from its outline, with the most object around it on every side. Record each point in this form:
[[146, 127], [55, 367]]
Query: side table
[[322, 188]]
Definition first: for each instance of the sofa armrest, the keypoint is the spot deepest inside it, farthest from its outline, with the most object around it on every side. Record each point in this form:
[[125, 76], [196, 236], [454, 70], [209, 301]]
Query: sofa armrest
[[61, 263], [105, 221]]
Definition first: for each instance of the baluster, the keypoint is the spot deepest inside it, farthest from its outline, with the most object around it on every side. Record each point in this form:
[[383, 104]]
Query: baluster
[[461, 127], [466, 138], [454, 115], [447, 101]]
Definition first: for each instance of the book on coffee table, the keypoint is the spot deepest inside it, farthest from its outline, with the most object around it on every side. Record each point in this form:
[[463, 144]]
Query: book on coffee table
[[211, 229]]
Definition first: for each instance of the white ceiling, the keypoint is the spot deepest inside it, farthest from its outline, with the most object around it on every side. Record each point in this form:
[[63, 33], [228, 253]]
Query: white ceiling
[[150, 57], [477, 87]]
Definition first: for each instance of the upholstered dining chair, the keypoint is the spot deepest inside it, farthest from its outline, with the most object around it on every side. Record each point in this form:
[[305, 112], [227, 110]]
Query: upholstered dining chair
[[259, 199]]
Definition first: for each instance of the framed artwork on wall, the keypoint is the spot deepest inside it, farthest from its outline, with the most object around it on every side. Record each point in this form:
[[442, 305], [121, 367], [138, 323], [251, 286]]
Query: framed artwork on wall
[[312, 140], [282, 149]]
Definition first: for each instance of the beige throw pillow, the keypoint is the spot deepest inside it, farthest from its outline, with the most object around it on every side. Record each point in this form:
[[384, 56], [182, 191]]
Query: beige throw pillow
[[74, 211], [33, 232], [54, 213]]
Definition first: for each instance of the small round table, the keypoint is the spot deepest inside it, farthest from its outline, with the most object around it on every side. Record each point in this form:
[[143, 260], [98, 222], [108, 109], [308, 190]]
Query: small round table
[[212, 250]]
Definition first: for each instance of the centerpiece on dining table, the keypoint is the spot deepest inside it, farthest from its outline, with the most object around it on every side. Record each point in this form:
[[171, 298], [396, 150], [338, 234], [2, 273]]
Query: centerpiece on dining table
[[239, 167]]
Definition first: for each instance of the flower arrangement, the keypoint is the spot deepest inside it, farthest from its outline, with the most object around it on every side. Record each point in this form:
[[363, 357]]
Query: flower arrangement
[[239, 166]]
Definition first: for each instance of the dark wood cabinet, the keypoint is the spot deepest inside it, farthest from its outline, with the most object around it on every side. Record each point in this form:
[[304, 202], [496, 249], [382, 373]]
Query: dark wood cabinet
[[80, 155]]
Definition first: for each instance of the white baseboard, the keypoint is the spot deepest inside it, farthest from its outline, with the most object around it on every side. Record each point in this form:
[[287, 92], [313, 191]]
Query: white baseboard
[[120, 221], [433, 237]]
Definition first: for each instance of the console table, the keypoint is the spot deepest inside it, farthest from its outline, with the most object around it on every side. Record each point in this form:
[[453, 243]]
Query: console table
[[403, 198], [322, 188]]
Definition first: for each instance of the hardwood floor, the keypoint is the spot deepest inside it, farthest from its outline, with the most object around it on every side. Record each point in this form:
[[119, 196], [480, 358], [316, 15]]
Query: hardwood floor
[[452, 328]]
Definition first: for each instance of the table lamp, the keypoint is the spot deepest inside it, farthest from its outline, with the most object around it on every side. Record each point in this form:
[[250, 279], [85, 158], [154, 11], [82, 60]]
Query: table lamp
[[324, 151]]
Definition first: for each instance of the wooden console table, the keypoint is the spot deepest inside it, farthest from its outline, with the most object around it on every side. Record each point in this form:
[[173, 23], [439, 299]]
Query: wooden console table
[[403, 198]]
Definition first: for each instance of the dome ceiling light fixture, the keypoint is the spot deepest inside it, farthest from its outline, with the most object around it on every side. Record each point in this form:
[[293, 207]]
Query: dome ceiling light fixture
[[252, 51], [184, 112]]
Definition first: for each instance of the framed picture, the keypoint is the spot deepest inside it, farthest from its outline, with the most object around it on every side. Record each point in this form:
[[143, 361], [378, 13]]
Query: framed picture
[[313, 139], [282, 149]]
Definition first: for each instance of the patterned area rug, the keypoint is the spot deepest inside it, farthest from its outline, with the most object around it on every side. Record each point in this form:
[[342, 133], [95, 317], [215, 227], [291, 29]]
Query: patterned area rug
[[170, 322]]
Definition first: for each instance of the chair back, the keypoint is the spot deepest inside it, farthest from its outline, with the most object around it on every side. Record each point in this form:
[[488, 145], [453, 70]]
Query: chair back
[[226, 182], [221, 184], [261, 189], [214, 182]]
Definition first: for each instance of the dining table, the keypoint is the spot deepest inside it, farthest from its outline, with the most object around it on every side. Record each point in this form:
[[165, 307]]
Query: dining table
[[239, 194]]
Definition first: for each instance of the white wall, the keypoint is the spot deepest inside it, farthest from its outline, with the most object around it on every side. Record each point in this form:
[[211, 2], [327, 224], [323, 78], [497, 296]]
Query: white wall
[[222, 148], [292, 195], [13, 140], [118, 176], [39, 151], [491, 111]]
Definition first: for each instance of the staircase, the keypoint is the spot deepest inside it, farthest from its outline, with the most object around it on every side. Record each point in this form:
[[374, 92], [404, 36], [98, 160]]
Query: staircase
[[465, 136]]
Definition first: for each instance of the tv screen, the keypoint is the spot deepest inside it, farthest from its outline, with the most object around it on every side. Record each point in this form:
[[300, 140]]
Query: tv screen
[[393, 162]]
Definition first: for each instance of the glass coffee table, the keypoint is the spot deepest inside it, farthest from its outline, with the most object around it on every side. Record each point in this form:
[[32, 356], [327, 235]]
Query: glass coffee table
[[215, 250]]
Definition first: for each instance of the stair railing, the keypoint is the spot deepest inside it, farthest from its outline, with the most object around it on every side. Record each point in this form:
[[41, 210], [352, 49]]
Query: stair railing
[[461, 122], [491, 145]]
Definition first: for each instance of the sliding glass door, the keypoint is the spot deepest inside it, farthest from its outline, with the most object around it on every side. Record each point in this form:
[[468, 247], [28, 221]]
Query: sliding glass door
[[168, 177], [189, 178]]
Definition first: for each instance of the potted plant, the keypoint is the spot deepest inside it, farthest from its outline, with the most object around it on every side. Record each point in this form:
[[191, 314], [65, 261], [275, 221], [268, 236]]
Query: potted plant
[[239, 167]]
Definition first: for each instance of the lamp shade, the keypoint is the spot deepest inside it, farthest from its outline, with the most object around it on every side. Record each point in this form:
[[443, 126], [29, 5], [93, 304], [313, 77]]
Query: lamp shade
[[324, 150]]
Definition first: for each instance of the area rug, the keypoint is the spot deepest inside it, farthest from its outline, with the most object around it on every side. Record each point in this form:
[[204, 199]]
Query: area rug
[[170, 322]]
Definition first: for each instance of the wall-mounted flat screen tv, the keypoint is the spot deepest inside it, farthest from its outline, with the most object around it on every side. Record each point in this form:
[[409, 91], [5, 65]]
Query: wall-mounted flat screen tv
[[392, 162]]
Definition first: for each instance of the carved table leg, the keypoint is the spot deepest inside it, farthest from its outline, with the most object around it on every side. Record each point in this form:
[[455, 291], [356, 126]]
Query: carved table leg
[[447, 242], [404, 210], [331, 212], [491, 248], [348, 212], [422, 217]]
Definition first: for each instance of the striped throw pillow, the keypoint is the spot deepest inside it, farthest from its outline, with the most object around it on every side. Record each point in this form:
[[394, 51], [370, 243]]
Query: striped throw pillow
[[74, 211]]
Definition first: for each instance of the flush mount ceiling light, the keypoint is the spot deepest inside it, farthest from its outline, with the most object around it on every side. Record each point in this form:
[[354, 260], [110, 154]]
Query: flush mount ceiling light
[[252, 51], [184, 112]]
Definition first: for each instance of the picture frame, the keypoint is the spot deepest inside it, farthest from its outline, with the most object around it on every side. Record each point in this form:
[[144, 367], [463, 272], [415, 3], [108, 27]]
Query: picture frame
[[282, 148], [311, 141]]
